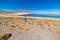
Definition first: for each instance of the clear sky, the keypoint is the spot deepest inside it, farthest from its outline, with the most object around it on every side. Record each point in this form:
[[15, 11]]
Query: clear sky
[[41, 5]]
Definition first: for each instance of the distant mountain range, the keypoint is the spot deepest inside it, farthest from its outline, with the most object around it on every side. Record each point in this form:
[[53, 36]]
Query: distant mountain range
[[18, 12], [24, 11], [4, 12]]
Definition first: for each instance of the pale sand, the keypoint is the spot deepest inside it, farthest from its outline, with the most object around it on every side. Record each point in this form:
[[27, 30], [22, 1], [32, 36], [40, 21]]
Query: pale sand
[[32, 34]]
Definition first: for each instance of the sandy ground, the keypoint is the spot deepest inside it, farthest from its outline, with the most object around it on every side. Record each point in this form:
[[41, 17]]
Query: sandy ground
[[39, 33], [32, 34]]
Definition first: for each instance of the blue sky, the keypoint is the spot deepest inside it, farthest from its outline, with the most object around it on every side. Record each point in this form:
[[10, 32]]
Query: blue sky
[[31, 5]]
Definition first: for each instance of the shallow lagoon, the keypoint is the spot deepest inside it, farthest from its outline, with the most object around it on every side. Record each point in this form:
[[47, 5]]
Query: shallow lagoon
[[44, 15]]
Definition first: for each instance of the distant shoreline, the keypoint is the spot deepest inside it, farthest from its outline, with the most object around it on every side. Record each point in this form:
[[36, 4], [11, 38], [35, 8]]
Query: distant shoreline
[[32, 17]]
